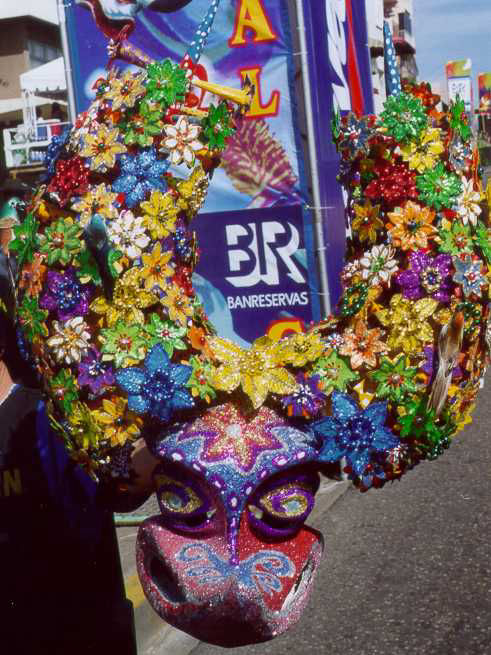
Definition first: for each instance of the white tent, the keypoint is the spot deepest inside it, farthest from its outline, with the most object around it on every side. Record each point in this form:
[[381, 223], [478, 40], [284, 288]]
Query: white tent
[[47, 78], [12, 108]]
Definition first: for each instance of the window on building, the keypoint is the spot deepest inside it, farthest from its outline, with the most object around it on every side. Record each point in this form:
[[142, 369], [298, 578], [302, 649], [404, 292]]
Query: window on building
[[40, 53], [405, 22]]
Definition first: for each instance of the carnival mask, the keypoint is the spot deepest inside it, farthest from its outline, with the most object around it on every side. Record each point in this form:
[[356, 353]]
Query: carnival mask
[[108, 313]]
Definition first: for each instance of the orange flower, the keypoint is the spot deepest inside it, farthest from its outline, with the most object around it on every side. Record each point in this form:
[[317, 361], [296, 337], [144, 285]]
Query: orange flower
[[411, 226], [362, 345], [197, 339], [32, 276], [367, 221]]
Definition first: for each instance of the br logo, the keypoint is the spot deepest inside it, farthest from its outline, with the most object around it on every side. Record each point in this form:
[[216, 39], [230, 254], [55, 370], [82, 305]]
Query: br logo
[[256, 250]]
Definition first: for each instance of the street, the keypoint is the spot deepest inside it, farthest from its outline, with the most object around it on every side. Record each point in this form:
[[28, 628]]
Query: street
[[407, 568]]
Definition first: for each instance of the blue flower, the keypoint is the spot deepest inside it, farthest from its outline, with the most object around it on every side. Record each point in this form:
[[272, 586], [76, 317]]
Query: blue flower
[[468, 274], [354, 433], [53, 151], [141, 174], [158, 388]]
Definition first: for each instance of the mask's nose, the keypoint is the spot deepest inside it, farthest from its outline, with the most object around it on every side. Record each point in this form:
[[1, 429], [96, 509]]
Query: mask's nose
[[194, 585]]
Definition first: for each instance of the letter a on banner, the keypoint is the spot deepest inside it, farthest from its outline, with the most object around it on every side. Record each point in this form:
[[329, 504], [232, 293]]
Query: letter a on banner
[[251, 16]]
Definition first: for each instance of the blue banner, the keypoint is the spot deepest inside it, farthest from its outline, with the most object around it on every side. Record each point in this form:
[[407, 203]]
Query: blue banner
[[340, 78]]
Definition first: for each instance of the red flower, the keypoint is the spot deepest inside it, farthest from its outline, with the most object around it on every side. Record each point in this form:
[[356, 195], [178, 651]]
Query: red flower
[[71, 178], [394, 184]]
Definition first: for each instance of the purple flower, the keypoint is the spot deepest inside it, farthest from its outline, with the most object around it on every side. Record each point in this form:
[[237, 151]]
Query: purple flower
[[65, 295], [93, 373], [307, 400], [431, 364], [427, 275]]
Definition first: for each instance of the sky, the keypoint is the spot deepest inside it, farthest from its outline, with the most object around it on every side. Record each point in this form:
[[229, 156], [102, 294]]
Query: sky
[[445, 30]]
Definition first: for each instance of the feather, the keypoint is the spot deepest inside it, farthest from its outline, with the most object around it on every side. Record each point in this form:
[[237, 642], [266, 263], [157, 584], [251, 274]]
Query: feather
[[97, 240], [449, 347]]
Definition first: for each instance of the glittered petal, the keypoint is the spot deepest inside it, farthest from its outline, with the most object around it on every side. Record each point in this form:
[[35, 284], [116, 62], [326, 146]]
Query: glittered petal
[[157, 359], [326, 427], [138, 404], [385, 440], [181, 374], [377, 412], [330, 452], [130, 379], [359, 460], [182, 400], [343, 406]]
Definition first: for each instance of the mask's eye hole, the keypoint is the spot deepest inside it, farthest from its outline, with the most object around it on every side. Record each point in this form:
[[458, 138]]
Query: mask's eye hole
[[181, 504], [281, 510]]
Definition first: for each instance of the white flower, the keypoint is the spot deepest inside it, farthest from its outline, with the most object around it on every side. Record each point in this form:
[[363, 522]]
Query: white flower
[[128, 234], [468, 203], [378, 264], [70, 341], [182, 141]]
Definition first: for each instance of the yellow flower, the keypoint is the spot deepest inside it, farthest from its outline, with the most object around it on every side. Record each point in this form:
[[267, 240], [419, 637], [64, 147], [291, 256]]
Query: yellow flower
[[128, 300], [125, 90], [102, 148], [84, 429], [409, 329], [155, 269], [299, 349], [411, 226], [367, 221], [192, 192], [119, 424], [425, 152], [160, 214], [97, 201], [256, 370], [177, 304]]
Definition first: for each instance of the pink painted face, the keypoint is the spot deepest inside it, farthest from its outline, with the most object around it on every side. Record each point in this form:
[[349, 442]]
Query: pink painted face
[[230, 547]]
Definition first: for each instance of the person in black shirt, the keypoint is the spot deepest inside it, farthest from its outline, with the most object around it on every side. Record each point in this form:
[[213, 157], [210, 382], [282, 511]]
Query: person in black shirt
[[61, 585]]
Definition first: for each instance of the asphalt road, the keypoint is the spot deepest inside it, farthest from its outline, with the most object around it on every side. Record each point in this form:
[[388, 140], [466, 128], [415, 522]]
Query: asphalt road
[[407, 568]]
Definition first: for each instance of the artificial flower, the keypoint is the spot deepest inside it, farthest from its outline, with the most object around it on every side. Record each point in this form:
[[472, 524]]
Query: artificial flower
[[393, 183], [307, 400], [177, 304], [184, 244], [426, 275], [404, 117], [160, 214], [70, 340], [32, 276], [334, 372], [199, 381], [458, 119], [141, 127], [425, 152], [438, 188], [299, 349], [411, 226], [483, 238], [407, 320], [55, 149], [354, 433], [192, 192], [87, 267], [468, 274], [378, 265], [124, 91], [168, 334], [217, 126], [128, 234], [455, 238], [128, 300], [166, 82], [257, 370], [394, 378], [64, 390], [65, 296], [158, 388], [353, 299], [362, 345], [155, 268], [98, 200], [84, 429], [25, 240], [118, 423], [419, 423], [61, 241], [460, 155], [32, 318], [354, 134], [95, 374], [102, 148], [71, 178], [140, 174], [366, 221], [123, 343], [468, 207], [181, 140]]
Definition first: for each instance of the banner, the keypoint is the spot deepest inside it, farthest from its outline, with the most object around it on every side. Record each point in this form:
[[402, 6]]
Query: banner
[[484, 85], [459, 82], [340, 77], [263, 164]]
